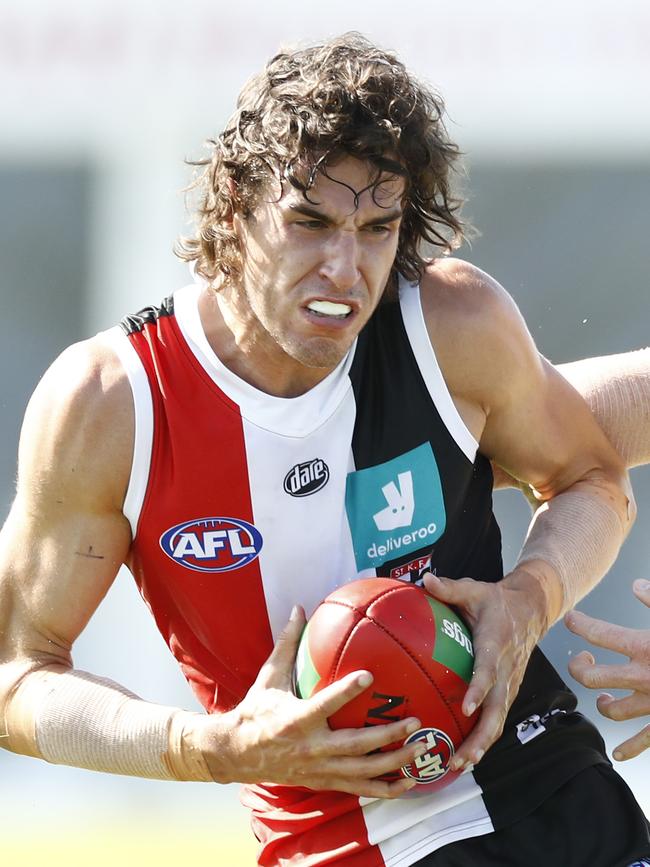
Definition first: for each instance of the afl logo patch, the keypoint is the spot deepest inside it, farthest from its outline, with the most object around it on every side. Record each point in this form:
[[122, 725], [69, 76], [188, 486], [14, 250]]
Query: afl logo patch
[[434, 764], [212, 544], [306, 478]]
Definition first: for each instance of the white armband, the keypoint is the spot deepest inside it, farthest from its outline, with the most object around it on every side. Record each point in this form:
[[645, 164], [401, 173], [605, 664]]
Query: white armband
[[75, 718]]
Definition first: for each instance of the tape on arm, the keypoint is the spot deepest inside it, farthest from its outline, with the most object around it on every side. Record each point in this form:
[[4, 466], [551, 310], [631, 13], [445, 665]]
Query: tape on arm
[[577, 534], [75, 718], [617, 389]]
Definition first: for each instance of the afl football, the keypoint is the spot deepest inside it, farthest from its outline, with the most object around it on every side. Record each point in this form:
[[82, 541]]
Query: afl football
[[421, 657]]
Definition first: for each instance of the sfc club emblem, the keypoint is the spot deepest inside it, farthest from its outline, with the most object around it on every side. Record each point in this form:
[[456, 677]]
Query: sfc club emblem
[[434, 764], [212, 544]]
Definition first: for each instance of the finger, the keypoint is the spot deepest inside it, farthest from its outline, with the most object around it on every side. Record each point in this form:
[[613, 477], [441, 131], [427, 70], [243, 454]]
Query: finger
[[360, 742], [641, 589], [370, 788], [453, 592], [485, 733], [584, 669], [276, 671], [627, 707], [376, 765], [328, 701], [483, 679], [619, 638], [634, 746]]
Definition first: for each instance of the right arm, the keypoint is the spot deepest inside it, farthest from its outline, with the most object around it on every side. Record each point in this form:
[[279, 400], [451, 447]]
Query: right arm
[[60, 549], [617, 391]]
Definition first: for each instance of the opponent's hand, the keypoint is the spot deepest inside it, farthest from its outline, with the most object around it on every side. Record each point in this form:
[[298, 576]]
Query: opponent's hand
[[272, 736], [507, 620], [633, 675]]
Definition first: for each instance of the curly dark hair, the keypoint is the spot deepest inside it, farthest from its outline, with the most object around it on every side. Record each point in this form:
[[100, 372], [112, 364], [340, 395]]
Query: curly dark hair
[[306, 110]]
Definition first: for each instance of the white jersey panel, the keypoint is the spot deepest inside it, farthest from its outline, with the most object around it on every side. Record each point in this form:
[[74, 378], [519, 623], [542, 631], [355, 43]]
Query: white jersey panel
[[408, 828], [290, 416], [143, 411], [290, 522], [411, 306]]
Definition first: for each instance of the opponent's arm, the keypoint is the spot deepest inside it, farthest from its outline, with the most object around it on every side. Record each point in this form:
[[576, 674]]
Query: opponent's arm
[[60, 550], [537, 427], [633, 675], [617, 391]]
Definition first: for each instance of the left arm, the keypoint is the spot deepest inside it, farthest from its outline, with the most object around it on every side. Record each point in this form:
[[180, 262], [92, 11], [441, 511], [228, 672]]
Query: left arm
[[530, 421]]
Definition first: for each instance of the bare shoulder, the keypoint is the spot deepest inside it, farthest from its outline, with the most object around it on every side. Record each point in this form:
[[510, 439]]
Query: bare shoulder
[[79, 425], [480, 338]]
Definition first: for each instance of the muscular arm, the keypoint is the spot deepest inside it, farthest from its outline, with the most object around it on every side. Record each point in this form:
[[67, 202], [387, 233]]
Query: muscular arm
[[529, 420], [60, 550], [617, 391]]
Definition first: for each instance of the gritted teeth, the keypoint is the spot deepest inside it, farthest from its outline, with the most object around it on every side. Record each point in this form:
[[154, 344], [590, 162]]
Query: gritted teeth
[[329, 308]]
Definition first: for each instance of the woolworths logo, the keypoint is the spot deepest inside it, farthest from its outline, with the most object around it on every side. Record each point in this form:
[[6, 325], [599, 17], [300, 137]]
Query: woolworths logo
[[395, 508]]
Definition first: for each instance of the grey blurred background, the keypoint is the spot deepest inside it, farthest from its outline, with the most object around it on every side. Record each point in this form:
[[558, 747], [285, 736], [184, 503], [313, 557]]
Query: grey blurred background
[[99, 106]]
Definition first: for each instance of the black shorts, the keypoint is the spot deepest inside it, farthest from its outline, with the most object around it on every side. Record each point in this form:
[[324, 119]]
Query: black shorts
[[591, 821]]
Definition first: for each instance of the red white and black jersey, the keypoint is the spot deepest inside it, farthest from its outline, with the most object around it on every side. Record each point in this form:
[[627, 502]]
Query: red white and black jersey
[[243, 504]]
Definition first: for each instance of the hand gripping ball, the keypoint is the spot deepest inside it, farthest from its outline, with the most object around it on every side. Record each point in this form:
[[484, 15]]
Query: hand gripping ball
[[420, 654]]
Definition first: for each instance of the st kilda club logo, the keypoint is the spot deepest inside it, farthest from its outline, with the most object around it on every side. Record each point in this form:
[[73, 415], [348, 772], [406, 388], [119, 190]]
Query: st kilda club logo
[[212, 544], [306, 478]]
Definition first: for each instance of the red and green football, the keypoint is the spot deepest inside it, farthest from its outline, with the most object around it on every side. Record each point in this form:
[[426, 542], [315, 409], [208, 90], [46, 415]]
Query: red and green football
[[421, 657]]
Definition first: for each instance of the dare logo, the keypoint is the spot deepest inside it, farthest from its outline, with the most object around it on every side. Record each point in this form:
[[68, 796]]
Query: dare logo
[[434, 764], [212, 544], [306, 478]]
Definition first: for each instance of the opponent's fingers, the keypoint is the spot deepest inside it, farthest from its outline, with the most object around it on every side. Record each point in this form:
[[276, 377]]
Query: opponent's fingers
[[633, 746], [622, 639], [641, 589], [628, 707], [276, 671], [584, 669]]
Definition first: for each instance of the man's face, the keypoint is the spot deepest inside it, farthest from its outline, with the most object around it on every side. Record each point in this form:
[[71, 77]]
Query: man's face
[[314, 271]]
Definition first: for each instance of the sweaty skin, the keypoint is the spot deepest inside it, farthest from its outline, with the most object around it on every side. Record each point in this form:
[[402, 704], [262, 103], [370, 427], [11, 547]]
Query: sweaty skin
[[76, 451]]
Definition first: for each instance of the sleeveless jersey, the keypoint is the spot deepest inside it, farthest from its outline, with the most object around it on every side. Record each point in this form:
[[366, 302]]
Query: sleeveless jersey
[[243, 504]]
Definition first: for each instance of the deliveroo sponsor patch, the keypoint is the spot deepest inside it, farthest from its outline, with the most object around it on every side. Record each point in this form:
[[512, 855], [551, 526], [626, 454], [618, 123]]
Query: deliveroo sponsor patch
[[395, 508]]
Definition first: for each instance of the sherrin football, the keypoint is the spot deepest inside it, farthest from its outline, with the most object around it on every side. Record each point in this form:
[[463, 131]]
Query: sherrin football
[[421, 657]]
